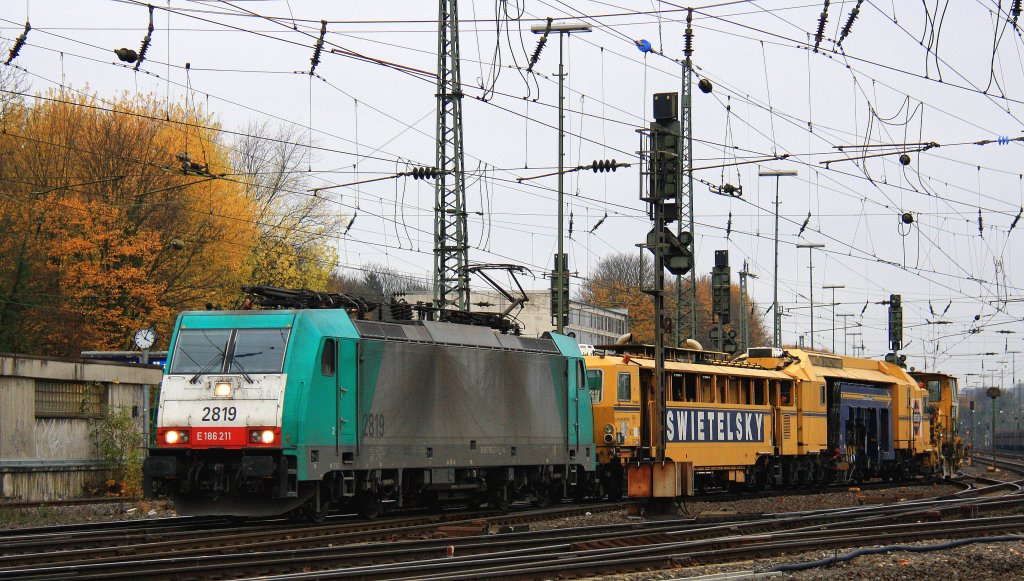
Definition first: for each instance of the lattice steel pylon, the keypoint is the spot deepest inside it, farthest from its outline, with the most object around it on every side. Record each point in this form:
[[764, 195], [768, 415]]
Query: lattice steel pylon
[[686, 302], [451, 279]]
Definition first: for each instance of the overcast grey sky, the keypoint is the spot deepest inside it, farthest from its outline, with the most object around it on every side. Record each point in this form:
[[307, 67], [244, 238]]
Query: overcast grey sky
[[948, 72]]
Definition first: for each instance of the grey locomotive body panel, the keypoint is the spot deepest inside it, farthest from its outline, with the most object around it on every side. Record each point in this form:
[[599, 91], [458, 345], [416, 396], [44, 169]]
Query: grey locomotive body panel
[[431, 404]]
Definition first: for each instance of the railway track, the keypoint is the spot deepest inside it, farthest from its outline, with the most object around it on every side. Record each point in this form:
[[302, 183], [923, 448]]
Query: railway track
[[604, 549], [190, 539], [21, 504]]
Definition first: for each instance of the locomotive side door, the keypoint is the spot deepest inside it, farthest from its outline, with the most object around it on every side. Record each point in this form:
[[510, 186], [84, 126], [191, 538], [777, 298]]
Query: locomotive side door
[[577, 384], [346, 390]]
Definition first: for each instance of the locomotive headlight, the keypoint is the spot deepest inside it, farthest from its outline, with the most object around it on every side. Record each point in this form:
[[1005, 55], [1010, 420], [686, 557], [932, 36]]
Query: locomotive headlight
[[608, 428], [261, 436], [222, 389], [176, 437]]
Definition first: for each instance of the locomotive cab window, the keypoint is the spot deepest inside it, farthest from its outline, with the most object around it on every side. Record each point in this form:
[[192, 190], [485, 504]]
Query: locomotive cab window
[[706, 392], [760, 388], [595, 381], [786, 392], [258, 351], [625, 387], [327, 358], [954, 400], [677, 386], [691, 387], [934, 387], [202, 351]]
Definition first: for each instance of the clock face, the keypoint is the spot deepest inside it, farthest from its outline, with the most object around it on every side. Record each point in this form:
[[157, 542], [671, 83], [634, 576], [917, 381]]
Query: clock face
[[145, 338]]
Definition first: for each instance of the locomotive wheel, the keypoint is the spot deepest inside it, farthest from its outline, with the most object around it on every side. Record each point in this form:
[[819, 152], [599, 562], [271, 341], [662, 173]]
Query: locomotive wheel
[[543, 495], [369, 505], [499, 501], [311, 514]]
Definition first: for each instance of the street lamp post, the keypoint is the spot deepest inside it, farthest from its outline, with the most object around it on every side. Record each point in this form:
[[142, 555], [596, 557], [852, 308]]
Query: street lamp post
[[833, 287], [561, 264], [810, 252], [777, 320]]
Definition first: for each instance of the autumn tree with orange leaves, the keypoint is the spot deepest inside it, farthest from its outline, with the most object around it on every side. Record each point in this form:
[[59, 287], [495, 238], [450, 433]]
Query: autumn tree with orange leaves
[[106, 228], [619, 280]]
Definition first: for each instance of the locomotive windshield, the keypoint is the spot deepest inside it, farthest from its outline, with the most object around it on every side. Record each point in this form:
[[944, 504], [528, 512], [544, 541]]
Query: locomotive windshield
[[202, 351]]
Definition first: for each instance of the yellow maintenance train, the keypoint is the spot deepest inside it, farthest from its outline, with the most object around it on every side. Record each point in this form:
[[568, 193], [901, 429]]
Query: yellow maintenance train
[[773, 417]]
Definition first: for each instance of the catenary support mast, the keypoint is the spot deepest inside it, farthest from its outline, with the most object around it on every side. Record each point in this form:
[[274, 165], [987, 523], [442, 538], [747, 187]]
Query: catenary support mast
[[451, 280], [686, 302]]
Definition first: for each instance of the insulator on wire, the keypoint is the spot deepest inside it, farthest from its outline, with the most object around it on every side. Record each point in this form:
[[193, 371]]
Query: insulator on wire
[[319, 47], [145, 41], [728, 226], [803, 226], [1016, 219], [540, 46], [425, 173], [599, 222], [981, 227], [688, 35], [904, 159], [18, 43], [849, 21], [1015, 10], [603, 165], [822, 21]]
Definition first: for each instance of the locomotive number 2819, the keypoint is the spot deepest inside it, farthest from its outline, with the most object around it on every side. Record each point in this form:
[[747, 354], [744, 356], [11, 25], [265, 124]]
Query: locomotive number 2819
[[373, 426], [216, 414]]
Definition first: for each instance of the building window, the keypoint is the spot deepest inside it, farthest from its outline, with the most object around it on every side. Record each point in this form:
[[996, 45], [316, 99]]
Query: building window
[[68, 399]]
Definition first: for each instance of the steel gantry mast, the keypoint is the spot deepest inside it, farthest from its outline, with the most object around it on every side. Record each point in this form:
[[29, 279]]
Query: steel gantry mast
[[686, 303], [451, 279]]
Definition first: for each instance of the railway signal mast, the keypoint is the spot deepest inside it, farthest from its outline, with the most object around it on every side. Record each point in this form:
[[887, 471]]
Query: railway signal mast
[[672, 252], [896, 331]]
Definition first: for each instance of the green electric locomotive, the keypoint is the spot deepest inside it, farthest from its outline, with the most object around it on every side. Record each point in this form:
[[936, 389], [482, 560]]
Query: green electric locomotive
[[302, 411]]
